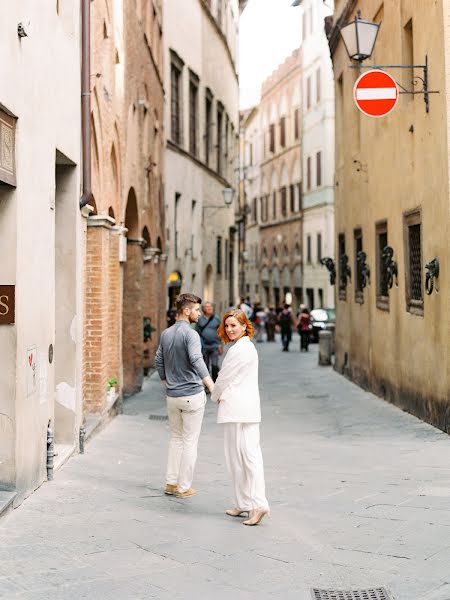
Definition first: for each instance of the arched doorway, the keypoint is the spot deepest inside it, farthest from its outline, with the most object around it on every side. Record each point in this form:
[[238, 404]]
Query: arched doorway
[[132, 319]]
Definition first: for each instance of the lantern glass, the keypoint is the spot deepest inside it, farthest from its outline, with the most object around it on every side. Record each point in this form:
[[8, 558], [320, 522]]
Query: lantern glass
[[359, 38], [228, 194]]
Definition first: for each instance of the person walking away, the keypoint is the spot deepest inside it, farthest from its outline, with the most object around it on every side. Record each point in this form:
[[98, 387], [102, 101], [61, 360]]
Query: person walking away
[[271, 323], [182, 370], [246, 307], [285, 321], [211, 345], [303, 327], [259, 322], [237, 394]]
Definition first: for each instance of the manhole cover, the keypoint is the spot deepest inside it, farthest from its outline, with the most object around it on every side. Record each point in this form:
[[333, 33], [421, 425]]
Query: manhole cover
[[158, 417], [369, 594]]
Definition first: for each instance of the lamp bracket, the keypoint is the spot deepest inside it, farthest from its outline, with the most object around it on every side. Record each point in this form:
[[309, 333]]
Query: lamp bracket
[[416, 80]]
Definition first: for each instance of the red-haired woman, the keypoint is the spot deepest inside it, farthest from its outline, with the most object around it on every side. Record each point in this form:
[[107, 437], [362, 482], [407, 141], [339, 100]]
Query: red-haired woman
[[237, 392]]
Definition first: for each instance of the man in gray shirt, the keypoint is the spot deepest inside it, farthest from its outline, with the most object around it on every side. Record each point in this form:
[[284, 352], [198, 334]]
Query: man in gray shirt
[[182, 370]]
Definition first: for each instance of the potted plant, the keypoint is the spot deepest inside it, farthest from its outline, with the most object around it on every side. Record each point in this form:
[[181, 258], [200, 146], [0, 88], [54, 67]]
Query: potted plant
[[112, 382]]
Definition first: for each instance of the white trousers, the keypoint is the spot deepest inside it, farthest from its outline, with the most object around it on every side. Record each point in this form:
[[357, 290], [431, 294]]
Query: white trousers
[[185, 421], [245, 463]]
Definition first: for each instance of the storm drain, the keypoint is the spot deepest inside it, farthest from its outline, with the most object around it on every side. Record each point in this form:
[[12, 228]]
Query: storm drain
[[158, 417], [369, 594]]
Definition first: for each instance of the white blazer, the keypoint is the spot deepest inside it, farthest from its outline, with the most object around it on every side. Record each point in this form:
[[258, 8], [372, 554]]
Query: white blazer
[[237, 385]]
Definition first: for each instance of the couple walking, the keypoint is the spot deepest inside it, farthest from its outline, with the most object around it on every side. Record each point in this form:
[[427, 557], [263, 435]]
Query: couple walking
[[181, 367]]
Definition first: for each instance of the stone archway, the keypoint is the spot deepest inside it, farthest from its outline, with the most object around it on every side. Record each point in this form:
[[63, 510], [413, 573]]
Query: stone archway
[[132, 316]]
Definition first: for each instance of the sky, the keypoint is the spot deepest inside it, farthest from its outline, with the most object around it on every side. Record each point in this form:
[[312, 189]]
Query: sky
[[269, 32]]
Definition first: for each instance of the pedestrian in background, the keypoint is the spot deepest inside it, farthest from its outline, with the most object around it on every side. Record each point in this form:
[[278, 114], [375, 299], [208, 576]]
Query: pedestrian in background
[[246, 307], [286, 321], [206, 327], [271, 323], [182, 370], [259, 322], [237, 393], [303, 327]]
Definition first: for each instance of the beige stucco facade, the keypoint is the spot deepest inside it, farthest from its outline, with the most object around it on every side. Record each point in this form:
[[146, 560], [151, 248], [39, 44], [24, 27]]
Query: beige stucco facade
[[202, 151], [41, 240], [392, 189]]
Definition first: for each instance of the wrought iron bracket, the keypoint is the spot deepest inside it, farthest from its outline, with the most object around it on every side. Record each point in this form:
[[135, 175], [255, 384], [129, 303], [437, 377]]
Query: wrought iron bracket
[[363, 269], [328, 262], [417, 80], [390, 266], [432, 273]]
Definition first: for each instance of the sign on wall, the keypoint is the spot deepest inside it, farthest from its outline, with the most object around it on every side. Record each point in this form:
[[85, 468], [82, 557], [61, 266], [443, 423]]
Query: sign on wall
[[7, 304], [375, 93], [7, 148]]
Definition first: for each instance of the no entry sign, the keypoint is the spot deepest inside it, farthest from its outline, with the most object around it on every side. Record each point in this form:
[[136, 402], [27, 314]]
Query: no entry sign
[[375, 93]]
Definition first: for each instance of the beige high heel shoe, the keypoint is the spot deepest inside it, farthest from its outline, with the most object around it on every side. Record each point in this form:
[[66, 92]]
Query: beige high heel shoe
[[236, 512], [256, 516]]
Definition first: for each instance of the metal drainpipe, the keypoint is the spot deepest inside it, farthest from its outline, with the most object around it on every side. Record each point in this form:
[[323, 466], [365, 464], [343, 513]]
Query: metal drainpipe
[[87, 195], [50, 452]]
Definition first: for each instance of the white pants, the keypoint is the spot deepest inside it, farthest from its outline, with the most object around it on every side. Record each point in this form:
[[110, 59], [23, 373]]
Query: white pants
[[245, 463], [185, 421]]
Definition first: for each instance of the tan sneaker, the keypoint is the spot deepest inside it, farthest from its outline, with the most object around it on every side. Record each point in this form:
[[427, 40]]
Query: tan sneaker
[[256, 516], [171, 489], [187, 494]]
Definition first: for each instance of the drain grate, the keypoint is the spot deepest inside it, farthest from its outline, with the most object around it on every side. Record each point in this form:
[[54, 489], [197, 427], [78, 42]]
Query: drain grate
[[369, 594], [158, 417]]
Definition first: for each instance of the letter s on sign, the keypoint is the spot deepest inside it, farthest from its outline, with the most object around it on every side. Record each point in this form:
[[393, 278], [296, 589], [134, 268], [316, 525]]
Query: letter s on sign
[[4, 308]]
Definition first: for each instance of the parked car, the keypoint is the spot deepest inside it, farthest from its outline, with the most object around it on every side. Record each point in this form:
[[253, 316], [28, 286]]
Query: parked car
[[322, 318]]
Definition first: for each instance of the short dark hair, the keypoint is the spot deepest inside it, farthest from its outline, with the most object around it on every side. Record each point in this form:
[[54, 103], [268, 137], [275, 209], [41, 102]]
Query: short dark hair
[[186, 300]]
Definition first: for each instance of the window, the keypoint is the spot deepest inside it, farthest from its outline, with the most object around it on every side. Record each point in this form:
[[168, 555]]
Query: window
[[308, 92], [319, 247], [274, 205], [381, 233], [193, 213], [219, 256], [272, 138], [284, 201], [219, 144], [250, 152], [341, 254], [308, 173], [358, 246], [300, 196], [227, 252], [208, 113], [318, 84], [176, 240], [176, 99], [308, 249], [297, 124], [283, 132], [319, 169], [255, 210], [320, 291], [193, 113], [413, 257], [292, 198]]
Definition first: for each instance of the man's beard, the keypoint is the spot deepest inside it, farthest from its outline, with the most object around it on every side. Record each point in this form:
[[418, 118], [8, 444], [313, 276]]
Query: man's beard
[[192, 320]]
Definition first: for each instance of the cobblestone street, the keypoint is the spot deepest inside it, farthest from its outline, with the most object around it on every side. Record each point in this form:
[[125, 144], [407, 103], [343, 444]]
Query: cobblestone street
[[359, 492]]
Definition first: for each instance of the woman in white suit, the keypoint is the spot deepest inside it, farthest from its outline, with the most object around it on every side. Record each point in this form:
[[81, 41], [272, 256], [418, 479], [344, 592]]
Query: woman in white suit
[[237, 393]]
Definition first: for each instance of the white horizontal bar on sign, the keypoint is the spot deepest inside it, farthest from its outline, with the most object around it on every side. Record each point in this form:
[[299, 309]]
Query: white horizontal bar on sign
[[389, 93]]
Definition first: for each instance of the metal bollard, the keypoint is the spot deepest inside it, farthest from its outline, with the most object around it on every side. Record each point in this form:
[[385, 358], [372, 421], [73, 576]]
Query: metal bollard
[[50, 452], [325, 347], [82, 436]]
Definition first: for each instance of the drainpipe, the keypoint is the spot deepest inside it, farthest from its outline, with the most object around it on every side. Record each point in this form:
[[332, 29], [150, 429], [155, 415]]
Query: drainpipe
[[87, 196]]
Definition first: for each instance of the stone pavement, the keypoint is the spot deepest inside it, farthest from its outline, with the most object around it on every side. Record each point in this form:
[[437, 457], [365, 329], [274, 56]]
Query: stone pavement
[[359, 491]]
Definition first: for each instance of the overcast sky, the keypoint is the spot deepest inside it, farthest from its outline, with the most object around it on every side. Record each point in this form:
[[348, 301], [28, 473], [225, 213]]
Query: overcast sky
[[269, 32]]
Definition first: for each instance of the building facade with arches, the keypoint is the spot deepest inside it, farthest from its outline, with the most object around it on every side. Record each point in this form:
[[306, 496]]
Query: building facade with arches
[[125, 241], [201, 151]]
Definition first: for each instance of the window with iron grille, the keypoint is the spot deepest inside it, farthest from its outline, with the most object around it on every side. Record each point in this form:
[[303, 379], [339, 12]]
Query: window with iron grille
[[207, 134], [358, 246], [175, 103], [341, 253], [219, 256], [413, 256], [382, 284], [272, 138], [283, 132], [284, 201], [193, 114]]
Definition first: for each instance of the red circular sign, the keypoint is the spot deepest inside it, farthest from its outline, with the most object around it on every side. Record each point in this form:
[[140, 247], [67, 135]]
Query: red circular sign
[[375, 93]]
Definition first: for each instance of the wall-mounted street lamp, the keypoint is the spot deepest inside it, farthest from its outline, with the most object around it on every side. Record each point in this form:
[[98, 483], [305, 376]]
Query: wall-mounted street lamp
[[228, 195], [359, 38]]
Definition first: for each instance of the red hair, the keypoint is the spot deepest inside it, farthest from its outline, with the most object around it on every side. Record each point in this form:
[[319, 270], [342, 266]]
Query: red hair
[[240, 315]]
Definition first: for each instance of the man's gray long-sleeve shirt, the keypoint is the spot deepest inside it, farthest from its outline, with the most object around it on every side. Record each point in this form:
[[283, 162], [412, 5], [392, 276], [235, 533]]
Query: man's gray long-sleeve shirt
[[179, 360]]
